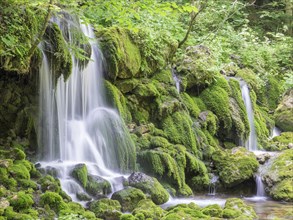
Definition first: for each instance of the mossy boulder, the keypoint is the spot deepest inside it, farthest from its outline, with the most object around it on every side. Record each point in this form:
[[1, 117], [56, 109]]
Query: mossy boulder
[[213, 211], [149, 185], [96, 185], [278, 176], [282, 142], [146, 209], [196, 67], [49, 183], [128, 198], [76, 211], [122, 54], [106, 209], [21, 201], [237, 209], [53, 200], [80, 173], [234, 166], [185, 211], [284, 112]]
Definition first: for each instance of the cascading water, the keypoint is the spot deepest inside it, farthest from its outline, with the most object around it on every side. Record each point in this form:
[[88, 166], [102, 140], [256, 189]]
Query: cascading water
[[212, 185], [251, 142], [76, 126], [176, 80], [260, 189], [275, 132]]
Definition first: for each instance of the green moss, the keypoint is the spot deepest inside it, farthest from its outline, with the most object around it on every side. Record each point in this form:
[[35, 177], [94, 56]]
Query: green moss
[[97, 186], [49, 183], [213, 211], [233, 206], [190, 104], [76, 211], [12, 215], [283, 190], [196, 173], [147, 209], [106, 209], [164, 76], [118, 101], [278, 176], [27, 184], [281, 142], [240, 122], [127, 217], [209, 122], [128, 198], [235, 166], [60, 52], [127, 85], [53, 200], [19, 170], [178, 129], [21, 201], [183, 211], [80, 173], [122, 55], [146, 90], [217, 100], [151, 186]]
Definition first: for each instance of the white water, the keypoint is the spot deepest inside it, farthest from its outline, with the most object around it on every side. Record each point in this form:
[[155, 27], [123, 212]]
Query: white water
[[251, 142], [212, 185], [275, 132], [260, 186], [176, 80], [75, 124]]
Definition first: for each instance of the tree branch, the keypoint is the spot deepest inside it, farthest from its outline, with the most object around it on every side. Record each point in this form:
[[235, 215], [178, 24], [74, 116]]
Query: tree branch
[[191, 23]]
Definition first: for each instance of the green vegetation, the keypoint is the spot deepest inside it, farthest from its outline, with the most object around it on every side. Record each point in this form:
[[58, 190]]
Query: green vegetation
[[181, 138]]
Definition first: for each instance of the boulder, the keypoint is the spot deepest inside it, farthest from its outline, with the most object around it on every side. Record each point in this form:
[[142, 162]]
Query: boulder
[[149, 185], [146, 209], [234, 166], [97, 185], [106, 209], [236, 209], [80, 174], [278, 176], [284, 112], [128, 198]]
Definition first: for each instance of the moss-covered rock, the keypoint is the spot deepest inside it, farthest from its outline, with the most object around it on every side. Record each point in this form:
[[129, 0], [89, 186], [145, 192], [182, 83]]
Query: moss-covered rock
[[146, 209], [76, 211], [128, 198], [278, 176], [122, 54], [237, 209], [284, 112], [213, 211], [53, 200], [281, 142], [149, 185], [80, 173], [21, 201], [106, 209], [49, 183], [118, 101], [96, 185], [184, 211], [235, 166]]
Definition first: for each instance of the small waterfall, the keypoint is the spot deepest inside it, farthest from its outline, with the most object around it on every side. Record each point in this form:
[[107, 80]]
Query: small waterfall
[[176, 80], [75, 124], [251, 142], [212, 185], [275, 132], [260, 189]]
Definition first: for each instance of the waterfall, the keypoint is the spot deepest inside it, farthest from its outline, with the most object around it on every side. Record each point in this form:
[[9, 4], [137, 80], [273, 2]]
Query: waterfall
[[212, 185], [176, 80], [76, 125], [260, 190], [251, 142], [275, 132]]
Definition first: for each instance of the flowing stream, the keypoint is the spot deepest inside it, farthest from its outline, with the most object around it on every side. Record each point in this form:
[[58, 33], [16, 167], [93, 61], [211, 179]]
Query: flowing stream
[[76, 126]]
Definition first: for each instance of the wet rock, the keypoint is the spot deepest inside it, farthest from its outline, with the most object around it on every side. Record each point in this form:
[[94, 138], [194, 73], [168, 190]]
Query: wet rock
[[80, 173], [83, 196], [96, 186], [237, 209], [262, 158], [106, 209], [283, 114], [149, 185], [148, 210], [128, 198], [278, 176]]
